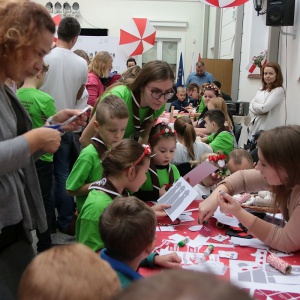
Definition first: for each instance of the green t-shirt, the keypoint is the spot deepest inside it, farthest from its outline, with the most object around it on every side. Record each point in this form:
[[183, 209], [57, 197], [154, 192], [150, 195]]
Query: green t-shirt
[[40, 106], [163, 178], [123, 92], [87, 224], [201, 105], [223, 142], [87, 169]]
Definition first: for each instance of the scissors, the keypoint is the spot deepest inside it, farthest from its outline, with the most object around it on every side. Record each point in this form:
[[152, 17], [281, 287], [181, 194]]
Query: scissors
[[60, 126]]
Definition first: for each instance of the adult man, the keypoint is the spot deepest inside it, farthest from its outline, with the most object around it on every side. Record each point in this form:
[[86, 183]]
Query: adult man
[[200, 76], [65, 82]]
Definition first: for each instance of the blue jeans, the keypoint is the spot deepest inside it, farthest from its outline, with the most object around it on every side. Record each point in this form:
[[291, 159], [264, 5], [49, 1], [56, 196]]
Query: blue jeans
[[60, 199], [45, 173]]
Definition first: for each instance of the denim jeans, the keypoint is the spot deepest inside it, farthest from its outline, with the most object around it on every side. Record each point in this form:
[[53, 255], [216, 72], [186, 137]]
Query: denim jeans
[[60, 199], [45, 173]]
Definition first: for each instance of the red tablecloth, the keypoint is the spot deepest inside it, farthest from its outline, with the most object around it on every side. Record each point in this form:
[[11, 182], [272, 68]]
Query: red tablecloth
[[244, 254]]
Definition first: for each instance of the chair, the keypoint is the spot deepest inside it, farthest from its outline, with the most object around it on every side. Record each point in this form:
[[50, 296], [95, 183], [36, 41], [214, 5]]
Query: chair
[[238, 129], [183, 168]]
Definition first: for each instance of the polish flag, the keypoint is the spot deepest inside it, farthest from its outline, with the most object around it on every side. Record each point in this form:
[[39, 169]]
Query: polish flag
[[56, 19], [251, 67], [199, 57], [193, 68]]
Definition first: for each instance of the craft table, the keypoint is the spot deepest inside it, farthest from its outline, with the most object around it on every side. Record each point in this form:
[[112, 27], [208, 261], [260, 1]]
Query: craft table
[[249, 271]]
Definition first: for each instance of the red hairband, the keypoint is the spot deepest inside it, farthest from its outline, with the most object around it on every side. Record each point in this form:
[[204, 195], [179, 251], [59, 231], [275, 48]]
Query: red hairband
[[166, 131], [147, 151]]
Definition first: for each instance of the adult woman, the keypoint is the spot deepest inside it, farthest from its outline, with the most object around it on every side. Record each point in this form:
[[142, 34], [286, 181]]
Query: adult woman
[[145, 97], [267, 109], [278, 151], [26, 35], [99, 69], [187, 148]]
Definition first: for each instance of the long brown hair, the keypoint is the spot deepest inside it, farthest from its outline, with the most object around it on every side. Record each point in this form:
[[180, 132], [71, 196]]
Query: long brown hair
[[279, 78], [220, 103], [184, 128], [280, 149]]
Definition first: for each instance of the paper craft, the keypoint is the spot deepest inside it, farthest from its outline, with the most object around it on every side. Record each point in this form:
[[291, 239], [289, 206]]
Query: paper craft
[[200, 172], [179, 196], [167, 228], [199, 241], [228, 254], [195, 228], [205, 230], [220, 238], [254, 243], [226, 219], [185, 218]]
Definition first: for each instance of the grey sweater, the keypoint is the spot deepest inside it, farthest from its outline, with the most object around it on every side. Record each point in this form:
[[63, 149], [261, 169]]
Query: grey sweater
[[20, 195]]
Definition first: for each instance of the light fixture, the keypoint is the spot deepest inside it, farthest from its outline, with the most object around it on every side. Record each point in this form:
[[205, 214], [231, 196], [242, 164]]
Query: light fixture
[[258, 6], [49, 7], [75, 6], [57, 7], [67, 8]]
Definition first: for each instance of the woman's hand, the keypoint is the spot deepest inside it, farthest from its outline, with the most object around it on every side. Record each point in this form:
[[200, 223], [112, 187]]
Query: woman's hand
[[228, 205], [44, 139], [208, 206], [159, 209], [65, 114]]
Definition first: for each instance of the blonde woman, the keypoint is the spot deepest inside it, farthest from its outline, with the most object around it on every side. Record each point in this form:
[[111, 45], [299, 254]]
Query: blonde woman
[[99, 69]]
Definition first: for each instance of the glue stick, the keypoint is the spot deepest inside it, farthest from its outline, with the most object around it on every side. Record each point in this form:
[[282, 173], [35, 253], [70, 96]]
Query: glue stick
[[208, 250], [184, 241]]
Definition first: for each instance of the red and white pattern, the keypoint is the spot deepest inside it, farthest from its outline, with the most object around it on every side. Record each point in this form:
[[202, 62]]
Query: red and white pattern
[[224, 3], [137, 36]]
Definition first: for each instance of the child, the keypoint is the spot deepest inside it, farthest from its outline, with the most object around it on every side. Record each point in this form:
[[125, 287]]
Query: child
[[210, 91], [209, 183], [127, 227], [220, 139], [110, 124], [68, 272], [193, 94], [40, 107], [278, 151], [187, 148], [162, 140], [180, 104], [183, 284], [124, 168]]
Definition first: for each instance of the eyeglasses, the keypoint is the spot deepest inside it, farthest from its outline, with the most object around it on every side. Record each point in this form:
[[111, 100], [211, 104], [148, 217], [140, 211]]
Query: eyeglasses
[[156, 94]]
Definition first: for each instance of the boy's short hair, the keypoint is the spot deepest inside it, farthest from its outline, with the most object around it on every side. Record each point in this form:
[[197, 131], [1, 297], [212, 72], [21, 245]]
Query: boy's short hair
[[127, 227], [215, 115], [235, 160], [111, 107], [180, 89], [67, 271], [182, 284], [192, 86]]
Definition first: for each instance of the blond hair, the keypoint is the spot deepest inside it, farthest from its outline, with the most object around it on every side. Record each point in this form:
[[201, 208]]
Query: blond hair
[[101, 64], [68, 272]]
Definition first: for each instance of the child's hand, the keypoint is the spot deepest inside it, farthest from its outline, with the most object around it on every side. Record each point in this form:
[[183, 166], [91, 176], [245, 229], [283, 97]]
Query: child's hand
[[228, 205], [159, 209], [171, 260]]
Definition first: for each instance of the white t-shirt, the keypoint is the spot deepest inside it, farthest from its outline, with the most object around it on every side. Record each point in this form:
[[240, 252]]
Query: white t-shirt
[[182, 155], [67, 73]]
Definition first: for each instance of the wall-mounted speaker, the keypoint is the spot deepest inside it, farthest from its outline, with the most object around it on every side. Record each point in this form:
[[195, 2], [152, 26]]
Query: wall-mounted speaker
[[280, 12]]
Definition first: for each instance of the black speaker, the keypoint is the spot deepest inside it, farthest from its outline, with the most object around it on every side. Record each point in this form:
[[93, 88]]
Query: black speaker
[[280, 12]]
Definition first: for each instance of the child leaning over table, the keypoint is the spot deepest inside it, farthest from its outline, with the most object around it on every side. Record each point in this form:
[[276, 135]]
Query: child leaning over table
[[127, 227], [110, 124], [205, 187], [221, 139]]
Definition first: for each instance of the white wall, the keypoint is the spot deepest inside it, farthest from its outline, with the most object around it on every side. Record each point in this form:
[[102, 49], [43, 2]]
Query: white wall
[[113, 14], [255, 40]]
